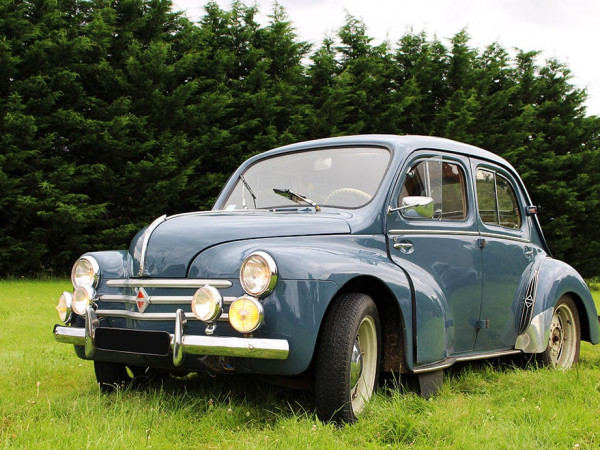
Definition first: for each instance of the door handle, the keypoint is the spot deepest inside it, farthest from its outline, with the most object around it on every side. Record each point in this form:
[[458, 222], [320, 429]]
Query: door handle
[[403, 245]]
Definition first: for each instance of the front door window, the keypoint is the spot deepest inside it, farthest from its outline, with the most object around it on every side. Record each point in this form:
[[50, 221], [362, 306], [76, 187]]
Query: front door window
[[441, 180]]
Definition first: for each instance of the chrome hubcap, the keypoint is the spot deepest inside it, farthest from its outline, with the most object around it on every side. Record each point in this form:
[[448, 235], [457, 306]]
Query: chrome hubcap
[[363, 364], [356, 365]]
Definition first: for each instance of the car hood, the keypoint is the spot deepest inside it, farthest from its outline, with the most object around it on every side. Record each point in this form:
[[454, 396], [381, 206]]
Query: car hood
[[168, 246]]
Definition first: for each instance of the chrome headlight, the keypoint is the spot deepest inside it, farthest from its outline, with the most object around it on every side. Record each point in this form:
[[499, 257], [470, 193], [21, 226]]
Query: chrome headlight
[[246, 314], [207, 304], [64, 307], [258, 274], [82, 298], [85, 272]]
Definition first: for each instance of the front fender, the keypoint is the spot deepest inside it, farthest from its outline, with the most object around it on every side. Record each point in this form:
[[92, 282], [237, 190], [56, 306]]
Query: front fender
[[114, 264], [556, 279], [320, 266]]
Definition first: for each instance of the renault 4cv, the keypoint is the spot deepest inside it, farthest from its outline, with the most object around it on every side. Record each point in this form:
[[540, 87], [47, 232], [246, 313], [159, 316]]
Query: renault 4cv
[[336, 259]]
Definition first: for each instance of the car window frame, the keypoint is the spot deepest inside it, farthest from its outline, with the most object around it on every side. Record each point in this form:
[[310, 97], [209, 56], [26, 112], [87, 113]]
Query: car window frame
[[244, 168], [523, 232], [468, 224]]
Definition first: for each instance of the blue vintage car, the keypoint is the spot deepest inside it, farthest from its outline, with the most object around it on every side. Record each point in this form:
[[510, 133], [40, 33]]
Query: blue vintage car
[[336, 259]]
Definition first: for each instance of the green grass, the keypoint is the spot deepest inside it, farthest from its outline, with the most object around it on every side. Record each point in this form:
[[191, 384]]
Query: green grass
[[50, 400]]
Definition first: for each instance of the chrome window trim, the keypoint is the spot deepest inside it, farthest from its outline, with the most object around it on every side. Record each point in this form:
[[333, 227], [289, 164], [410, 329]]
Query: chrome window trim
[[459, 233], [169, 283], [146, 239]]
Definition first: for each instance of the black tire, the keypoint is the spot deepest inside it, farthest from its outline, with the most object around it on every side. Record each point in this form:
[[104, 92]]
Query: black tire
[[565, 336], [112, 376], [352, 321]]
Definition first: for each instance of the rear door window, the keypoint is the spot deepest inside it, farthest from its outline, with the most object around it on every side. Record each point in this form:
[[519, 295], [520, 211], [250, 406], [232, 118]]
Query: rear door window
[[496, 200]]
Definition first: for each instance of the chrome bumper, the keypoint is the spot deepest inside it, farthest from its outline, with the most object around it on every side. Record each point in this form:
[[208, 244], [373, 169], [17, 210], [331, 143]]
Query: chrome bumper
[[181, 343]]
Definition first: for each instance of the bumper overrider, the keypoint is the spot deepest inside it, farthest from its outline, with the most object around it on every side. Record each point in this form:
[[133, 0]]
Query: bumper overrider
[[180, 343]]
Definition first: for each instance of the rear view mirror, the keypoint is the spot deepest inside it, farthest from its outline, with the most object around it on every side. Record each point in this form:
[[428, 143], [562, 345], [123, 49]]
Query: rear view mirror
[[416, 207]]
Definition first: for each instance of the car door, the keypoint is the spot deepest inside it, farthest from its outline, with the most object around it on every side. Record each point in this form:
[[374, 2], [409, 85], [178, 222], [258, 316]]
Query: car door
[[507, 254], [440, 253]]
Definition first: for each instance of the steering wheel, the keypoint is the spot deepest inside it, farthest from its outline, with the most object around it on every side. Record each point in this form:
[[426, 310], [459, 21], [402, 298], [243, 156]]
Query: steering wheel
[[353, 191]]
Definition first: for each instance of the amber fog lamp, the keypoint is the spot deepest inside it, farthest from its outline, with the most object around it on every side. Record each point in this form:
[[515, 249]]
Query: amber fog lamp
[[207, 304], [85, 272], [258, 274], [246, 314], [64, 307], [82, 298]]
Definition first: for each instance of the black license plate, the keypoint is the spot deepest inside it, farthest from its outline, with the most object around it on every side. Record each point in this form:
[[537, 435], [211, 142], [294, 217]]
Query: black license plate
[[133, 341]]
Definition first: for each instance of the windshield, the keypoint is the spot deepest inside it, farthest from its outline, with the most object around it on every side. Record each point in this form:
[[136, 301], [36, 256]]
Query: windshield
[[342, 177]]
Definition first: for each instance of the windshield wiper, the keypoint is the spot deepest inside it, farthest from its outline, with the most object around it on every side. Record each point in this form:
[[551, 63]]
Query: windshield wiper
[[247, 186], [296, 198]]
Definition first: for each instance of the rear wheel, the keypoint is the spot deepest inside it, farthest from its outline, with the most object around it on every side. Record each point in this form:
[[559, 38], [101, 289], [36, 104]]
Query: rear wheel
[[347, 358], [565, 335]]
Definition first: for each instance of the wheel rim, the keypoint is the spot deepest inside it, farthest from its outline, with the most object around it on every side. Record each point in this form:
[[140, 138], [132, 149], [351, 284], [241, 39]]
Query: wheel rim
[[366, 346], [563, 337]]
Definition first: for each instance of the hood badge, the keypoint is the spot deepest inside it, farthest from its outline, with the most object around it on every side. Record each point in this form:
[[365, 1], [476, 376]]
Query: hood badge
[[142, 300]]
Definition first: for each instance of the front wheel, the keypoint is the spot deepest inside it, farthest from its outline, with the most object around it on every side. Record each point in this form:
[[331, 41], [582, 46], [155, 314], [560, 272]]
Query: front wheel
[[347, 358], [113, 376], [565, 335]]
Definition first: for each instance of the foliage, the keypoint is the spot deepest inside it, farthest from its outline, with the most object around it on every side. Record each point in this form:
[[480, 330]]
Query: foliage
[[115, 112], [50, 400]]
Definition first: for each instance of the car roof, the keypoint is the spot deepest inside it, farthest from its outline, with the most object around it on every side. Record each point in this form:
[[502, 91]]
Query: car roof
[[400, 145]]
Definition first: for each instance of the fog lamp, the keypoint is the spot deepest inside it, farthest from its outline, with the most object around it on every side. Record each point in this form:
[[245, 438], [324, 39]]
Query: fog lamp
[[246, 314], [82, 298], [207, 304], [258, 274], [85, 272], [64, 307]]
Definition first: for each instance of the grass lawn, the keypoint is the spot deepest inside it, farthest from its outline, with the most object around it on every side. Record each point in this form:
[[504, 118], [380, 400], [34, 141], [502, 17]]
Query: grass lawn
[[50, 400]]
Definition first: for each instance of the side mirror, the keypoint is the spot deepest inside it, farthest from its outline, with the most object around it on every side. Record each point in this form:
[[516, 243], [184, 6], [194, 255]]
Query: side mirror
[[415, 207]]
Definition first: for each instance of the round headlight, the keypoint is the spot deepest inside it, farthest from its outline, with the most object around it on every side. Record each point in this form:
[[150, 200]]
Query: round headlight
[[246, 314], [85, 272], [207, 304], [64, 307], [82, 298], [258, 274]]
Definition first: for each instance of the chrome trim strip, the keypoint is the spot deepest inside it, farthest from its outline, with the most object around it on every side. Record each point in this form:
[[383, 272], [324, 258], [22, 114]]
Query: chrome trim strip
[[507, 237], [145, 240], [432, 232], [488, 355], [156, 299], [124, 314], [458, 233], [169, 283], [450, 361]]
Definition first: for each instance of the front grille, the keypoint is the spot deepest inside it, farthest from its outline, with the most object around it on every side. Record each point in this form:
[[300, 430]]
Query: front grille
[[164, 297], [156, 343]]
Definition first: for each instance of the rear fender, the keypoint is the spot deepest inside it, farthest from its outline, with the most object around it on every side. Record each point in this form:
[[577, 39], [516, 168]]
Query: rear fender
[[556, 279]]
